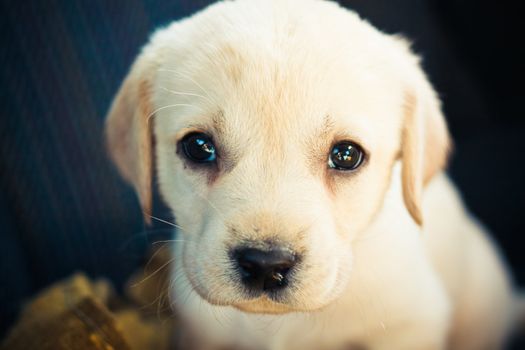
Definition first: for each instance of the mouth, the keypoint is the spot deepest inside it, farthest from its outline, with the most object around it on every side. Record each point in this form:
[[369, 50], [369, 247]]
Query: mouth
[[264, 305]]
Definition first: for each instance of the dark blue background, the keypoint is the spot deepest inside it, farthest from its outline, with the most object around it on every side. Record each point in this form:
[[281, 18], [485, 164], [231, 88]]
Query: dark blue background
[[64, 208]]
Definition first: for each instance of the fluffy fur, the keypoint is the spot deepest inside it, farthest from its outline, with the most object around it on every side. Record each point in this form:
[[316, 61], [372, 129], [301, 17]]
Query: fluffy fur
[[391, 258]]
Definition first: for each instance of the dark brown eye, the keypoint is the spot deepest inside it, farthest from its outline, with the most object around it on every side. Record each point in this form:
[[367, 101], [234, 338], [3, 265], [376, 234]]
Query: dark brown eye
[[199, 148], [345, 155]]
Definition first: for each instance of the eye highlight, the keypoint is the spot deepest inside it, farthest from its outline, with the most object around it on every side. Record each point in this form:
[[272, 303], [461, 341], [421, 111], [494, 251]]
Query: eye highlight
[[199, 148], [345, 155]]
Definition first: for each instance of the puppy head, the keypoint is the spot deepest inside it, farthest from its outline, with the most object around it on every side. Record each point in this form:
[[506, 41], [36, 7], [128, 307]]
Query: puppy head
[[276, 128]]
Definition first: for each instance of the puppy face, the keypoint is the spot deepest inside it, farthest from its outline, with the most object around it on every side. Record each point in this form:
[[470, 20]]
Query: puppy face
[[275, 128]]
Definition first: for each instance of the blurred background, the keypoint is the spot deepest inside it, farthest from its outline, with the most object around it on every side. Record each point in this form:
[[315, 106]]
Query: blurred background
[[63, 207]]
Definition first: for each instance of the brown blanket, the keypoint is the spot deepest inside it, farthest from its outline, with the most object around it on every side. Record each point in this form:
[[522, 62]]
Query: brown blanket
[[80, 313]]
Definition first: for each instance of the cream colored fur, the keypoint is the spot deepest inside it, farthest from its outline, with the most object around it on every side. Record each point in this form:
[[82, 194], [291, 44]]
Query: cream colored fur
[[392, 260]]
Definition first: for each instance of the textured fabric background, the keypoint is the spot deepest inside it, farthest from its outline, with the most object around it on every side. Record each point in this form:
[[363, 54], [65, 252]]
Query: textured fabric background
[[64, 208]]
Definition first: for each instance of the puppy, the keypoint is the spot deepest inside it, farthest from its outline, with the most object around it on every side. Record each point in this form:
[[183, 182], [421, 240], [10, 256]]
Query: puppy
[[302, 153]]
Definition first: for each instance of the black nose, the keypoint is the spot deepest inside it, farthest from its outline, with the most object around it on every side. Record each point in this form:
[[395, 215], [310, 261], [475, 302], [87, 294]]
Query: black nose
[[264, 270]]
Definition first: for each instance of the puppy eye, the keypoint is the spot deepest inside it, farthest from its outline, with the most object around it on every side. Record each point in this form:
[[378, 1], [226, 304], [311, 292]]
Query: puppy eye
[[199, 148], [345, 155]]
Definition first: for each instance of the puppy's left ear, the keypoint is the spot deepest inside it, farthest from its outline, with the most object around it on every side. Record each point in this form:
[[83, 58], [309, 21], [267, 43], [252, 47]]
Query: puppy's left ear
[[425, 142], [128, 130]]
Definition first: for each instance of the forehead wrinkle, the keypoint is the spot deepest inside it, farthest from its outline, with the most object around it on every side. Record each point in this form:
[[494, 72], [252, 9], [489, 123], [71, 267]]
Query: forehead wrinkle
[[218, 122], [327, 128], [317, 146], [224, 141]]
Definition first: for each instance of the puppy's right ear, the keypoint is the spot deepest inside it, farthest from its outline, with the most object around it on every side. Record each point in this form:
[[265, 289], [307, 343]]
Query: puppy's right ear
[[128, 130]]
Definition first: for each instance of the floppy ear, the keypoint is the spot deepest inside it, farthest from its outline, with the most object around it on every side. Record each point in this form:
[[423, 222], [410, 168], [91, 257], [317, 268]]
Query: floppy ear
[[128, 130], [425, 143]]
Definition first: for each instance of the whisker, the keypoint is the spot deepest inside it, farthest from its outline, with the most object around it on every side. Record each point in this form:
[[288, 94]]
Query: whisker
[[189, 78], [212, 206], [153, 273], [168, 106], [164, 221], [167, 241], [146, 234], [153, 257], [185, 93]]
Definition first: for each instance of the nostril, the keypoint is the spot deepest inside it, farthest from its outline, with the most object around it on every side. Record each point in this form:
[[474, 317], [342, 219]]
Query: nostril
[[247, 267], [264, 270]]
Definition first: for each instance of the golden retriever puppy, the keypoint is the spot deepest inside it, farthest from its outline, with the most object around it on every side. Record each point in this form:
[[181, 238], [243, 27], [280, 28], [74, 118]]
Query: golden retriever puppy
[[302, 153]]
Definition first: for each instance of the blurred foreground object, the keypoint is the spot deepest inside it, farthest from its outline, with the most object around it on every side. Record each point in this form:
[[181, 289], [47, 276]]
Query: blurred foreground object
[[80, 313]]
